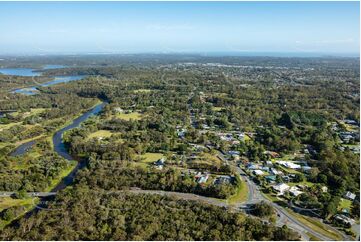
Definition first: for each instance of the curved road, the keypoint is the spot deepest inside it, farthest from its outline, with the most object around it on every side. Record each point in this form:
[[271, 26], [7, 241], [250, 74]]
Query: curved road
[[284, 217]]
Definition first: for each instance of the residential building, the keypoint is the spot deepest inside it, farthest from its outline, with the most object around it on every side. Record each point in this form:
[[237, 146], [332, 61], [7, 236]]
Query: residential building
[[281, 188], [350, 196]]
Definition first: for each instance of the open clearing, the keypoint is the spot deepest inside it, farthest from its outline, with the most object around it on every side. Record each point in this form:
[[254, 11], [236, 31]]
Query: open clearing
[[129, 116], [100, 134], [151, 157], [241, 194], [142, 91]]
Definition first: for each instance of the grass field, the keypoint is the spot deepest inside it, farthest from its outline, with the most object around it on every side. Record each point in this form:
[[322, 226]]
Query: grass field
[[7, 126], [344, 203], [142, 90], [316, 225], [206, 158], [151, 157], [33, 111], [147, 159], [129, 116], [246, 138], [217, 109], [100, 133], [7, 202], [312, 237], [241, 194]]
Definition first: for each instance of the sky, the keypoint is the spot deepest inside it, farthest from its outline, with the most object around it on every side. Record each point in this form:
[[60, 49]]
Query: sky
[[167, 27]]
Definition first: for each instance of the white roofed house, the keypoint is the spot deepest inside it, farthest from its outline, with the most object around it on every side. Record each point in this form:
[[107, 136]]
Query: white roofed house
[[350, 196], [258, 172], [203, 178], [273, 171], [281, 188], [294, 191], [288, 164]]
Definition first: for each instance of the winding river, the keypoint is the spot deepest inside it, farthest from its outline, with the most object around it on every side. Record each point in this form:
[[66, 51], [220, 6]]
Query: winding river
[[59, 146]]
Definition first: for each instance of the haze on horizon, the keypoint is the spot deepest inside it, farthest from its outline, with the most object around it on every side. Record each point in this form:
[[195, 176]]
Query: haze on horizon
[[179, 27]]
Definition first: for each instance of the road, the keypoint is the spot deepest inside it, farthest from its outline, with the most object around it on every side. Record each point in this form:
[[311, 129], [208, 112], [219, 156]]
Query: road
[[284, 217], [255, 196]]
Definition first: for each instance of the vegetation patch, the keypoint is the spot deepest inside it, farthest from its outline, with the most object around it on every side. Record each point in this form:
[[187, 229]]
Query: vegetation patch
[[100, 134], [241, 194], [316, 225], [151, 157], [129, 116]]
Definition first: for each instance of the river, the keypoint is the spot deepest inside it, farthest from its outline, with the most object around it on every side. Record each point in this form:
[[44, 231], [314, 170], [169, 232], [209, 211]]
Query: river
[[30, 72], [59, 146]]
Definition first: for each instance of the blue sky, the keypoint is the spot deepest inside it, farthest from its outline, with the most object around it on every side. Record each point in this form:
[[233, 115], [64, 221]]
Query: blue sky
[[123, 27]]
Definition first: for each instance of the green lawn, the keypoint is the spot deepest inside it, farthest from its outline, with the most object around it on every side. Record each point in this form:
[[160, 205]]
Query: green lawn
[[344, 203], [33, 111], [129, 116], [147, 159], [309, 184], [312, 237], [142, 90], [316, 225], [151, 157], [7, 202], [241, 194], [100, 134], [246, 137], [217, 109], [7, 126]]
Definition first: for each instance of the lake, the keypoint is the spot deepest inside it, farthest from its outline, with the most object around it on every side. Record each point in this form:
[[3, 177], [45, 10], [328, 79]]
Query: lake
[[37, 72]]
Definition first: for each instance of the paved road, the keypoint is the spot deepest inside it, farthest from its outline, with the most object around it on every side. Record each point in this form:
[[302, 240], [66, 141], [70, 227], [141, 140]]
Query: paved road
[[284, 217], [29, 194]]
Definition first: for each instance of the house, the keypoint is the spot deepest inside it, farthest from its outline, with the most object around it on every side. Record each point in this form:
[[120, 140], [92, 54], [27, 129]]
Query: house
[[236, 157], [273, 171], [181, 133], [265, 168], [258, 172], [294, 191], [288, 164], [270, 179], [252, 166], [344, 219], [350, 196], [286, 178], [350, 121], [118, 110], [281, 188], [223, 180], [159, 164], [203, 179], [324, 189], [269, 163], [205, 126], [233, 152], [271, 153], [306, 169]]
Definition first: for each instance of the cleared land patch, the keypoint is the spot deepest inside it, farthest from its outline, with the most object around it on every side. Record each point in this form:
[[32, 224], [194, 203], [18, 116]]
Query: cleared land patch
[[129, 116]]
